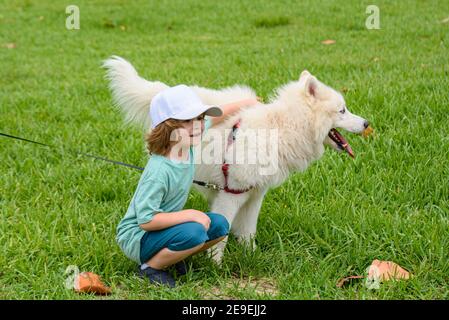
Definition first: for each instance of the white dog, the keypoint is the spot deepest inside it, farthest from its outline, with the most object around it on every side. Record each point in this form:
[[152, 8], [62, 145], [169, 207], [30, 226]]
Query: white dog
[[304, 115]]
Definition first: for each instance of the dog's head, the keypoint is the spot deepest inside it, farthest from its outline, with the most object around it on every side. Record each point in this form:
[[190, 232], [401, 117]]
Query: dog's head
[[330, 112]]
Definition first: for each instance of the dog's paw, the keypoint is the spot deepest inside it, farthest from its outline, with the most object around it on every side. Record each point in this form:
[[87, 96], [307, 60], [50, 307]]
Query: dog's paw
[[216, 255], [218, 259], [248, 241]]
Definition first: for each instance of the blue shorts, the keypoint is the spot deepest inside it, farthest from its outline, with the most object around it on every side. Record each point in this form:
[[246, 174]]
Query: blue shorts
[[182, 236]]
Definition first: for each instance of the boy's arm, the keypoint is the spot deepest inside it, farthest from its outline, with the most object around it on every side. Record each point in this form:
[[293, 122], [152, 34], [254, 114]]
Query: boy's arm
[[165, 220], [230, 108]]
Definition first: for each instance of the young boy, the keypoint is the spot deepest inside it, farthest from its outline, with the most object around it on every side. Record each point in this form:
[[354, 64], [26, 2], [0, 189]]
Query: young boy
[[156, 232]]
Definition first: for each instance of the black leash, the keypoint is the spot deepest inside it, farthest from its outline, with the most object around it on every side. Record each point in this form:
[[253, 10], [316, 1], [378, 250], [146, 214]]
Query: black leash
[[201, 183], [76, 152]]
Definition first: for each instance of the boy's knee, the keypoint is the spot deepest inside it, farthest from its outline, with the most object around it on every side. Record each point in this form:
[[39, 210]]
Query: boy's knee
[[192, 235], [219, 226]]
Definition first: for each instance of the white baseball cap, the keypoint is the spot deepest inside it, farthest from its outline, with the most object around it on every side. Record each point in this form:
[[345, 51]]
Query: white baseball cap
[[181, 103]]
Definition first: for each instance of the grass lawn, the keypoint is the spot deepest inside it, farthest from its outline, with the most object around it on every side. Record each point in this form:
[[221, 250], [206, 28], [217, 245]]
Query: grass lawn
[[390, 203]]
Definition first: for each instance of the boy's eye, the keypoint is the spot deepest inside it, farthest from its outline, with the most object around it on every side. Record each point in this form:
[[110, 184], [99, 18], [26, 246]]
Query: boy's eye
[[342, 110], [200, 118]]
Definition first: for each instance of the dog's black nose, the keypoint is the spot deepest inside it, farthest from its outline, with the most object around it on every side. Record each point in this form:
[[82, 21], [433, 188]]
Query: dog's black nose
[[366, 124]]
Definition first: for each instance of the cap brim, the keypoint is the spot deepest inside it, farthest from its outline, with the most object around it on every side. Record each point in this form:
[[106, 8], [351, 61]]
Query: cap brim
[[214, 111], [190, 113]]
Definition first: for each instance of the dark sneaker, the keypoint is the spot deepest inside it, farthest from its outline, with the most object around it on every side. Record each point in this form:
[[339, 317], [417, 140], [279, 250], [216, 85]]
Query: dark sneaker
[[181, 268], [157, 276]]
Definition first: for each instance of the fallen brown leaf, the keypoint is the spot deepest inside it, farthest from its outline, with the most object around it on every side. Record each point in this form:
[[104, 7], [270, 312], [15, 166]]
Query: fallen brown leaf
[[387, 270], [328, 41], [89, 282], [10, 45], [382, 270], [367, 132]]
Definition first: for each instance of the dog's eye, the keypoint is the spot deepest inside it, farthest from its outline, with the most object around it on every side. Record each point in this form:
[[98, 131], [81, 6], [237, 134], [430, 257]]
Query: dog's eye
[[342, 111]]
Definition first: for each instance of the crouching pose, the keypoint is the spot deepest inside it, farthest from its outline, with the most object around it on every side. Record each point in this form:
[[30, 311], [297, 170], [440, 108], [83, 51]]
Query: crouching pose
[[156, 232]]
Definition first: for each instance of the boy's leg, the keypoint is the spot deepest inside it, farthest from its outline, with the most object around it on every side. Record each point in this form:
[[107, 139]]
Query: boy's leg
[[209, 244], [167, 257], [172, 244], [186, 239], [219, 226], [218, 231]]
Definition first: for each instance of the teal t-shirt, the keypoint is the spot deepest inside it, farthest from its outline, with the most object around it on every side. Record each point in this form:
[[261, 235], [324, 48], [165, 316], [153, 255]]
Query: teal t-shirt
[[163, 187]]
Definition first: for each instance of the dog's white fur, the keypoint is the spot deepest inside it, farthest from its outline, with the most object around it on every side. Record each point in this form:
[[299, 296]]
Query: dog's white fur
[[302, 111]]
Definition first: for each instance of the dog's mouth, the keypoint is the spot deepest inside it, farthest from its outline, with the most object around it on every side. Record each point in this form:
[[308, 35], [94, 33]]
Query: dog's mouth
[[340, 141]]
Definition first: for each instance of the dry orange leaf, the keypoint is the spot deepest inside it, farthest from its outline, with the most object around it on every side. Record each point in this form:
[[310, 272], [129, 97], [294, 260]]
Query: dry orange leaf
[[368, 131], [387, 270], [89, 282], [10, 45], [328, 41], [381, 270]]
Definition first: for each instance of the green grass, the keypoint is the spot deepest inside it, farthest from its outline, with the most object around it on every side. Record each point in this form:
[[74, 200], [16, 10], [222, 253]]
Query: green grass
[[390, 203]]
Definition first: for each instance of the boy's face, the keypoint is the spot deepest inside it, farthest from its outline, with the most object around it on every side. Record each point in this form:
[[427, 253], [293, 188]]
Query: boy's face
[[191, 131]]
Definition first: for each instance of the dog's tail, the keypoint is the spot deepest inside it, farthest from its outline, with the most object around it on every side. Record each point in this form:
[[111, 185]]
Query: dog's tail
[[131, 93]]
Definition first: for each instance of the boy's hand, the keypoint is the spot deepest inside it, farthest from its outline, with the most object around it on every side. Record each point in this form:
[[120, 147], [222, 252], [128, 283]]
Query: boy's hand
[[199, 217], [231, 108], [250, 102]]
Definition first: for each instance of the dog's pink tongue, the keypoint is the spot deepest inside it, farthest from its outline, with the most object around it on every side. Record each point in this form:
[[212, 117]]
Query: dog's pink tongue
[[345, 145]]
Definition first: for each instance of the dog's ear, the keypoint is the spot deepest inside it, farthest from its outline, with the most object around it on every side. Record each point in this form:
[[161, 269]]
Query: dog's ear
[[309, 83], [304, 74], [311, 87]]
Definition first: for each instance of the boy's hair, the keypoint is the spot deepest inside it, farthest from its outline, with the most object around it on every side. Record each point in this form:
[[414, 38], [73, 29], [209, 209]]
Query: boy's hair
[[158, 139]]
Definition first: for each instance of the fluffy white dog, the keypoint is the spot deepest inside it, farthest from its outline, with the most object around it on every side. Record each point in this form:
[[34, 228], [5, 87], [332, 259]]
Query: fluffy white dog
[[302, 116]]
